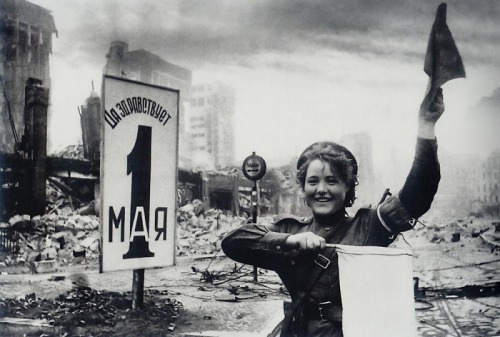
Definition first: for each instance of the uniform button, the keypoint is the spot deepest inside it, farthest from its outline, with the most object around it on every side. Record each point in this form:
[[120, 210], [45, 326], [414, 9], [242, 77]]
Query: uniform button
[[278, 247]]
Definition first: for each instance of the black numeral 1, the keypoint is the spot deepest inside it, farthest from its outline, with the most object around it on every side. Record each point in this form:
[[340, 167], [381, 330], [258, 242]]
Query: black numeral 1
[[139, 165]]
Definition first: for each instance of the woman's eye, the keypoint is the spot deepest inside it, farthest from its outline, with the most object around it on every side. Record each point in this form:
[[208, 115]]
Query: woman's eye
[[332, 181]]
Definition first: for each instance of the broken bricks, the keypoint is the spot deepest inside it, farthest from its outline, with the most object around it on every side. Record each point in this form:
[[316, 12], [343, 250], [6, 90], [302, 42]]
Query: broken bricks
[[64, 237], [200, 232], [47, 266]]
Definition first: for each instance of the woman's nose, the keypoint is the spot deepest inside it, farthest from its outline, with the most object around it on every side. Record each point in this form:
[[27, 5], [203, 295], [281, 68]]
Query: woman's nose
[[321, 187]]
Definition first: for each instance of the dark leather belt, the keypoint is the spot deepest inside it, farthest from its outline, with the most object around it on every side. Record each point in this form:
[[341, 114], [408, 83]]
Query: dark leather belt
[[325, 311]]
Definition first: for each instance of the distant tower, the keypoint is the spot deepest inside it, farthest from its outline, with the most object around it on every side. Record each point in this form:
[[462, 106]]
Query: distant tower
[[210, 125], [360, 144], [116, 58], [90, 120]]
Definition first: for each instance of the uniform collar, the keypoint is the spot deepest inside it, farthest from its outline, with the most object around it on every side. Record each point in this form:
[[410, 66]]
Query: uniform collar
[[333, 221]]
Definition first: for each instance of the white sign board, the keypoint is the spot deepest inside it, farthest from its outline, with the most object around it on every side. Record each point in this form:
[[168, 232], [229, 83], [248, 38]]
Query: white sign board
[[138, 174]]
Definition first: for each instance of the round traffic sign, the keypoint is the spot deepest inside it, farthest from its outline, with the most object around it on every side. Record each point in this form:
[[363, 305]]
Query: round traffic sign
[[254, 167]]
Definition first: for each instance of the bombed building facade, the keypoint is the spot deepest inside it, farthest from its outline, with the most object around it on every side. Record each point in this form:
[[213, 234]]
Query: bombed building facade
[[487, 190], [361, 145], [26, 32]]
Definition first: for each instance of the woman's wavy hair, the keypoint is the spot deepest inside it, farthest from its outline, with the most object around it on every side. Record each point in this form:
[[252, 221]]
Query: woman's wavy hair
[[339, 158]]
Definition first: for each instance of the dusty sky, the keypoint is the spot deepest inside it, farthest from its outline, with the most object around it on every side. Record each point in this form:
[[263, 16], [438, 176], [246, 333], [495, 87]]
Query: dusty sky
[[302, 70]]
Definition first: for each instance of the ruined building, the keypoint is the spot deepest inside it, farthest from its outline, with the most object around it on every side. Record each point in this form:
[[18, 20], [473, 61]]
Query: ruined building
[[488, 191], [90, 120], [25, 45], [144, 66], [210, 125], [361, 146]]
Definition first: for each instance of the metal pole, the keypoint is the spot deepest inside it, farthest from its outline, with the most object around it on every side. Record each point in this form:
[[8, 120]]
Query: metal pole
[[255, 206], [254, 202], [138, 289]]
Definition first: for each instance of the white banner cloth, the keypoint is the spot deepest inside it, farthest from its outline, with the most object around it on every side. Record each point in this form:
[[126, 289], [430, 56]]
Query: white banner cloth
[[376, 286]]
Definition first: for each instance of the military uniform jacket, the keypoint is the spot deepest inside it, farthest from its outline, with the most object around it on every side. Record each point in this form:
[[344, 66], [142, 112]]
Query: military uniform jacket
[[264, 245]]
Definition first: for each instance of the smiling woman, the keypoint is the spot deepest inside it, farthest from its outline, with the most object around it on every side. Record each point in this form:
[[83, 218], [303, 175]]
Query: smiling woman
[[303, 251], [334, 157]]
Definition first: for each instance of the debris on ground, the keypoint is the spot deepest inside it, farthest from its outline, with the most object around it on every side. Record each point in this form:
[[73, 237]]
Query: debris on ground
[[84, 306], [72, 152], [200, 232], [237, 283], [56, 239]]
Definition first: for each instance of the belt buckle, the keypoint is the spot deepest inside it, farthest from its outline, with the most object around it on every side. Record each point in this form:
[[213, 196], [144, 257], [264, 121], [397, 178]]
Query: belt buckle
[[320, 307], [322, 261]]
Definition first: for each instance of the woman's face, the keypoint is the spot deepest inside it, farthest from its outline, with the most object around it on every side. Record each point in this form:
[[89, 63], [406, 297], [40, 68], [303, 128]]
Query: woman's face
[[324, 190]]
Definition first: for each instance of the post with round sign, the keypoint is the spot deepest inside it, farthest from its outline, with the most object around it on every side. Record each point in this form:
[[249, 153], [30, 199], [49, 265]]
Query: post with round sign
[[254, 168]]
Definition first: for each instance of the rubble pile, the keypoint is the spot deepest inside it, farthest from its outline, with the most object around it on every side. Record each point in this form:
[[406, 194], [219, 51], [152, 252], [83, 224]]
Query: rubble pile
[[45, 243], [199, 231], [67, 237], [448, 231], [72, 152], [67, 234], [84, 306], [470, 232]]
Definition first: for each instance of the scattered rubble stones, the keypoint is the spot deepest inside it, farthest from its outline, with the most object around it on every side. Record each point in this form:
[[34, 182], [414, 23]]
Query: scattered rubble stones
[[53, 237], [84, 306]]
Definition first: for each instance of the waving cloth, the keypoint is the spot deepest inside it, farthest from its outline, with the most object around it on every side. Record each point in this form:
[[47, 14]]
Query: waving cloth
[[376, 286], [442, 59]]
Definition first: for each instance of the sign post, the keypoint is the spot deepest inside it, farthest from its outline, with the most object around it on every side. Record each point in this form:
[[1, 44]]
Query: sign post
[[139, 150], [254, 168]]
